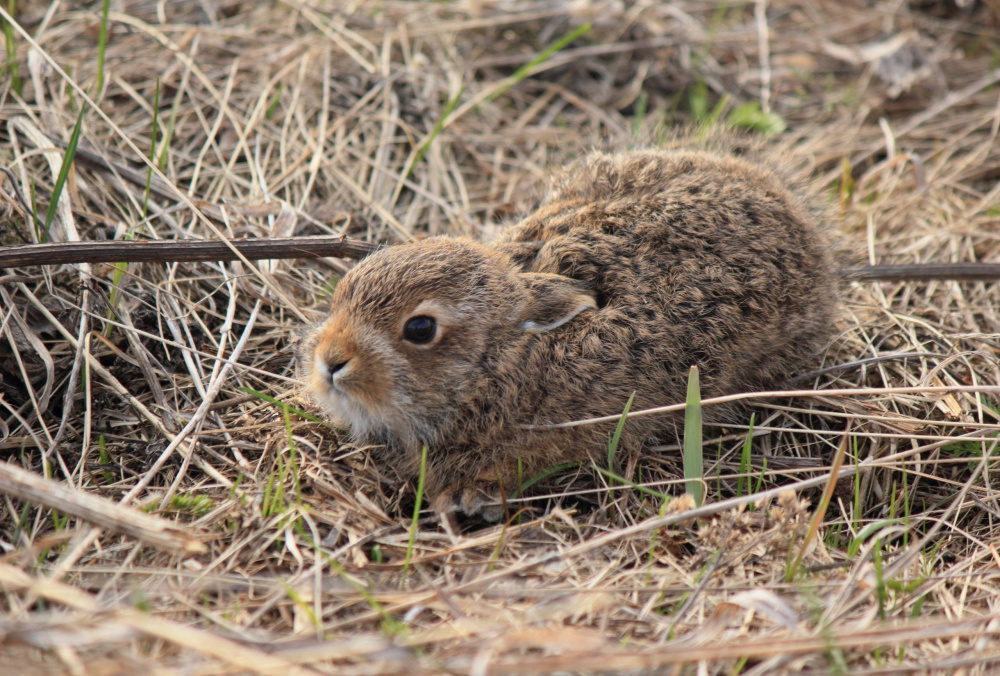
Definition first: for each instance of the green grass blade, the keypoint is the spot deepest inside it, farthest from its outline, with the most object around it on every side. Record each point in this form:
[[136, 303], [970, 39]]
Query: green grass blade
[[67, 162], [543, 56], [10, 63], [272, 106], [416, 511], [639, 116], [168, 131], [293, 460], [613, 445], [120, 267], [693, 462], [639, 487], [272, 400], [423, 147], [547, 473], [744, 478], [867, 532], [824, 503], [152, 147], [750, 116], [102, 43]]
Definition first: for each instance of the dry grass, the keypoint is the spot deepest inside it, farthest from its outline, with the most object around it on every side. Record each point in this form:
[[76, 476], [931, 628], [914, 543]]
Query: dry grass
[[304, 118]]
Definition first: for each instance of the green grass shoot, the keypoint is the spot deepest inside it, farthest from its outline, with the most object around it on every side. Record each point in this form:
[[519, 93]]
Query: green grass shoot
[[67, 163], [10, 62], [272, 106], [152, 147], [520, 474], [543, 56], [617, 437], [694, 466], [824, 504], [425, 145], [880, 587], [168, 130], [42, 233], [102, 43], [555, 469], [857, 487], [196, 505], [847, 185], [102, 452], [416, 511], [639, 117], [390, 625], [745, 465], [121, 268], [867, 532], [495, 555], [292, 457], [698, 101], [281, 404], [750, 116], [760, 477], [301, 603], [639, 487]]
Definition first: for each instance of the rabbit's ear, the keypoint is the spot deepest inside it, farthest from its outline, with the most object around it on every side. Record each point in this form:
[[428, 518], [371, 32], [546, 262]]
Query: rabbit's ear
[[553, 301]]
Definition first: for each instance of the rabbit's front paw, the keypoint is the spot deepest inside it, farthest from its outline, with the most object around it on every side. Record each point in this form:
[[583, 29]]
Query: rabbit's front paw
[[475, 498]]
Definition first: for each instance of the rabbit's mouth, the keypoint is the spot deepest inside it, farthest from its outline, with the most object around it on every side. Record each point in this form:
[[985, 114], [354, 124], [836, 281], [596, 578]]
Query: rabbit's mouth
[[368, 420]]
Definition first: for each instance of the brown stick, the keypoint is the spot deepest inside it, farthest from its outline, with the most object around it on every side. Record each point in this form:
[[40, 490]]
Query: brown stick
[[163, 251], [170, 251], [18, 482], [923, 272]]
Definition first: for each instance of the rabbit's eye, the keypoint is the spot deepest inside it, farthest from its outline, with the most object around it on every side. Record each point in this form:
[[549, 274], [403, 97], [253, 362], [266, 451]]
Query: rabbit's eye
[[420, 329]]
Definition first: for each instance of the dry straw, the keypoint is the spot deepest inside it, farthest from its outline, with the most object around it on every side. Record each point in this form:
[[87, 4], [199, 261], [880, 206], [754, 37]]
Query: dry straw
[[388, 121]]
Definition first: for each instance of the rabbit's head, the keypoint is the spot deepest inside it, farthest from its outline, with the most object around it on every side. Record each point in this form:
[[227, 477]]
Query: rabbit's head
[[418, 332]]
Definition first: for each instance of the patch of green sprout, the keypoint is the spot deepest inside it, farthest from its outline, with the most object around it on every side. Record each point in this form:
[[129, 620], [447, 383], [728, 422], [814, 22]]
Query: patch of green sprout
[[867, 532], [293, 457], [543, 56], [67, 164], [750, 116], [495, 555], [555, 469], [10, 63], [102, 43], [641, 102], [617, 436], [416, 511], [105, 457], [422, 149], [694, 466], [857, 486], [196, 505], [281, 404], [297, 599], [760, 477], [639, 487], [272, 106], [880, 586], [745, 466], [847, 184]]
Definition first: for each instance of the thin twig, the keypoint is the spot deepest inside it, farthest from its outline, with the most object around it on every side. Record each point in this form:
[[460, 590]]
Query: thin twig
[[174, 251]]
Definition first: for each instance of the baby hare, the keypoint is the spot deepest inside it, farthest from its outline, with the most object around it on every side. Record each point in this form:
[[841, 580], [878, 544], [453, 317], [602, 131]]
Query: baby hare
[[636, 267]]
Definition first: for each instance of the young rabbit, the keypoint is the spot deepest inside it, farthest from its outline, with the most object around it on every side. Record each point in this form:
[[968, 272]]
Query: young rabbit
[[636, 267]]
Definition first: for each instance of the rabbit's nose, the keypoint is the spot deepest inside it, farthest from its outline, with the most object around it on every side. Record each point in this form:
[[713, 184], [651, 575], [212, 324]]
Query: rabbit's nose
[[333, 368]]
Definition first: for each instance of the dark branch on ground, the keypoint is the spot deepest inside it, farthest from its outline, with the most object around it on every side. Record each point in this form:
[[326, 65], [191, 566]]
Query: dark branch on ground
[[183, 251]]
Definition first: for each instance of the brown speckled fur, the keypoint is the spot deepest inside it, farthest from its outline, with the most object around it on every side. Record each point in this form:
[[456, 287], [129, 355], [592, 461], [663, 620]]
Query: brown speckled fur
[[690, 257]]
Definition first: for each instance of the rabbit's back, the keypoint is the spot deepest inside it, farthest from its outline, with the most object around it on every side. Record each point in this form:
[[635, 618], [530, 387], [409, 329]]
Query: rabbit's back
[[696, 259]]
